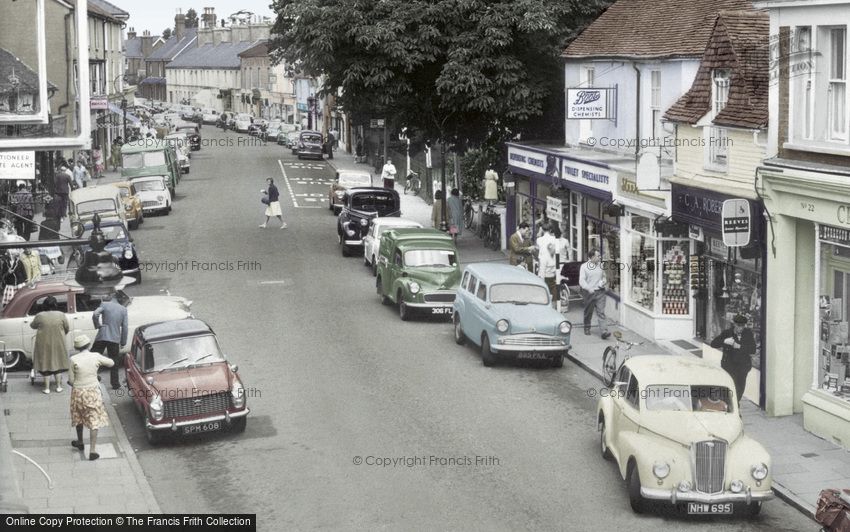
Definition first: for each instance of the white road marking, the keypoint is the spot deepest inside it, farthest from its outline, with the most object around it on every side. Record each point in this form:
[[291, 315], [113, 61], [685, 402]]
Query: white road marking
[[291, 192], [272, 282]]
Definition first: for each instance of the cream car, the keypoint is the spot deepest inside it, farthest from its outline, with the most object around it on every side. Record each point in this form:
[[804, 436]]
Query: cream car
[[372, 240], [673, 427]]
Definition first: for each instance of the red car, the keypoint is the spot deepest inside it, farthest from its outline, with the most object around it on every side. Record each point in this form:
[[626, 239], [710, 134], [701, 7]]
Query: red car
[[181, 382]]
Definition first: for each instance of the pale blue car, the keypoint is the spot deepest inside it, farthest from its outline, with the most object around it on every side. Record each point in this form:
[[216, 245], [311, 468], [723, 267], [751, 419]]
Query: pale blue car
[[507, 311]]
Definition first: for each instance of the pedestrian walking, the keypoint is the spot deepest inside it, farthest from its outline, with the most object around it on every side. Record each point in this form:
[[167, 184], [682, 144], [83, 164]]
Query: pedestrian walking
[[97, 162], [546, 263], [521, 247], [330, 146], [49, 356], [81, 175], [87, 408], [110, 320], [592, 281], [22, 205], [455, 206], [115, 153], [271, 198], [62, 180], [437, 209], [738, 344], [388, 175]]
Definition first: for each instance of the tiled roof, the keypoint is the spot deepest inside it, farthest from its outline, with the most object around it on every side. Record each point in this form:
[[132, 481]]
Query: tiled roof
[[27, 77], [133, 48], [260, 50], [651, 29], [173, 46], [105, 9], [739, 42], [222, 55]]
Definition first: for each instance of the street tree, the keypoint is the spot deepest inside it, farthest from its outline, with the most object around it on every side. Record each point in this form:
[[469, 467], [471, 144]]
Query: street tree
[[191, 18], [166, 33]]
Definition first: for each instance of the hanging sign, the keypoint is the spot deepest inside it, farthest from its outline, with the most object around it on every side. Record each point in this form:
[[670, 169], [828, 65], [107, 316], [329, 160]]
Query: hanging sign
[[588, 103], [736, 221], [554, 209]]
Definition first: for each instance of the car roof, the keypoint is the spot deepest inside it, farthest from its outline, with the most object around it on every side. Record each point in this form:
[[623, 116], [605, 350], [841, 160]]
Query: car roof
[[146, 144], [396, 222], [105, 223], [418, 234], [673, 369], [147, 178], [358, 190], [311, 131], [95, 192], [492, 272], [355, 172], [164, 330]]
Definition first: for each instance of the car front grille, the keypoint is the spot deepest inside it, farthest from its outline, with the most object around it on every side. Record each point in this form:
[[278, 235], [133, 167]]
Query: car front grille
[[148, 204], [709, 463], [195, 406], [439, 297], [533, 340]]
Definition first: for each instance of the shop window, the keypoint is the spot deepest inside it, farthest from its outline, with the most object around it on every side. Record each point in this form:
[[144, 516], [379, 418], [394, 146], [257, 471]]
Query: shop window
[[833, 308]]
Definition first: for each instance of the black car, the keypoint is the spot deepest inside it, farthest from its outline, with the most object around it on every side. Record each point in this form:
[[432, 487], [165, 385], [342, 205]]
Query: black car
[[359, 206], [309, 144], [192, 133], [119, 243]]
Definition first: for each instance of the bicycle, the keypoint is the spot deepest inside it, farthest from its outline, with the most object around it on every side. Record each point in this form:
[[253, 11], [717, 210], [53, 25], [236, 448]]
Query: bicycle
[[493, 228], [469, 212], [412, 183], [611, 362]]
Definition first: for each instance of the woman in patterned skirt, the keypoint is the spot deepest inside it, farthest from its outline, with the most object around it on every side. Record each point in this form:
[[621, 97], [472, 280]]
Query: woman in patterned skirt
[[86, 401]]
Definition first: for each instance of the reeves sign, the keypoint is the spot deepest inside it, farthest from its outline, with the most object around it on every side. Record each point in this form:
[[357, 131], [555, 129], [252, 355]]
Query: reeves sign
[[736, 222], [589, 103]]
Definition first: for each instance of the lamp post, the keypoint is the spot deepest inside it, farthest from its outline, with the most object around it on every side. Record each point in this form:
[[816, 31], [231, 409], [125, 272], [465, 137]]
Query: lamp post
[[122, 77]]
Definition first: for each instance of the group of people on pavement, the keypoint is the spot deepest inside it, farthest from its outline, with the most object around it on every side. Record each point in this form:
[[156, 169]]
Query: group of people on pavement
[[551, 250], [51, 359]]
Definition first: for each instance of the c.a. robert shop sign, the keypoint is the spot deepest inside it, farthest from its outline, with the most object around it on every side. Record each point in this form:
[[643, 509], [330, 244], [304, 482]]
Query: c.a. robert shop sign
[[588, 103]]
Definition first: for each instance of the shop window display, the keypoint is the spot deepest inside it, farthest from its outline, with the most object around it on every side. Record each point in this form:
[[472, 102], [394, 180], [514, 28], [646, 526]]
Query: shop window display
[[833, 306], [657, 262], [642, 265]]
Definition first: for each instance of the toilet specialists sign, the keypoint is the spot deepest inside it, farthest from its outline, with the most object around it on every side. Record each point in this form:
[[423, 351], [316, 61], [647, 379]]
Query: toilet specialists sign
[[587, 103], [588, 175]]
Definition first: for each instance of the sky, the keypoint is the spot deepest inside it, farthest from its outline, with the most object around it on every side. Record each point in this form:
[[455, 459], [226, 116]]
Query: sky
[[156, 15]]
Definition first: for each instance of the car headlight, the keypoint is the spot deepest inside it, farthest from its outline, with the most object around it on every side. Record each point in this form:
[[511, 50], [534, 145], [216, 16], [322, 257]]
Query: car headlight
[[684, 486], [339, 193], [364, 222], [759, 471], [502, 326], [736, 486], [414, 287], [661, 469], [160, 198], [128, 253], [128, 207], [565, 327], [238, 393], [156, 409]]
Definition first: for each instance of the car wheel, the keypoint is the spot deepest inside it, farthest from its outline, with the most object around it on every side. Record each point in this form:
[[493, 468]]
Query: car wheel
[[141, 218], [606, 452], [487, 356], [133, 225], [11, 358], [299, 157], [403, 309], [558, 361], [459, 336], [238, 425], [374, 267], [635, 498]]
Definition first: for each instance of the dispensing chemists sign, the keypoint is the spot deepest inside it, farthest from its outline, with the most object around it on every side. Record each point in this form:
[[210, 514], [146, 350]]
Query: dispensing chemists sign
[[17, 165], [737, 222], [588, 103]]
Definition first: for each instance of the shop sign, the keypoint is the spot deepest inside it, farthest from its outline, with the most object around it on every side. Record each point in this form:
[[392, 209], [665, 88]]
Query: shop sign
[[533, 161], [588, 175], [554, 210], [99, 102], [17, 165], [587, 103], [695, 233], [736, 222], [717, 248], [376, 123]]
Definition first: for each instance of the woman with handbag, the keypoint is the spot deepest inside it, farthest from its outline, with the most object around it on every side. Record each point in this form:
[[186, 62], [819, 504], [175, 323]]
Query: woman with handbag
[[271, 198]]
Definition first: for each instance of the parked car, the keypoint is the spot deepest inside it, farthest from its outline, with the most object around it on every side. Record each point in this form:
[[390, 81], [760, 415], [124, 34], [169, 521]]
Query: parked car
[[183, 162], [209, 116], [343, 180], [120, 244], [104, 200], [271, 131], [242, 122], [181, 382], [372, 240], [359, 207], [672, 425], [193, 132], [309, 145], [257, 127], [18, 337], [292, 141], [506, 311], [418, 271], [132, 204], [153, 193], [151, 157]]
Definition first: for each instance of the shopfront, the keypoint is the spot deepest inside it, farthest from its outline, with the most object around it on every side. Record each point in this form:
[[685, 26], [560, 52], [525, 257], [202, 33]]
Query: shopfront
[[538, 177]]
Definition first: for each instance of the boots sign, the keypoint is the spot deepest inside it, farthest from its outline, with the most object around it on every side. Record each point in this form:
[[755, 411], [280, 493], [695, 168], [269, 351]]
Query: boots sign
[[587, 103], [737, 221]]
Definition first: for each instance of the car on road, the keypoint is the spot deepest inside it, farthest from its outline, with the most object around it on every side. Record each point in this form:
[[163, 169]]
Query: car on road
[[372, 240], [181, 381], [418, 271], [242, 122], [360, 206], [257, 127], [147, 157], [132, 204], [193, 133], [119, 244], [309, 145], [209, 116], [19, 337], [343, 180], [292, 141], [271, 132], [672, 425], [104, 200], [507, 311], [153, 193]]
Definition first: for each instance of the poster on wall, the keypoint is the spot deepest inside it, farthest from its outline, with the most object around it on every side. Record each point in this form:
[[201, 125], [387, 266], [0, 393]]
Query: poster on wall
[[554, 209]]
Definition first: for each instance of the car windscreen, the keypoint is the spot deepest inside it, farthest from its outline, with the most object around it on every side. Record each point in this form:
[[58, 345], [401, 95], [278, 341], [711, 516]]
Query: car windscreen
[[110, 232], [133, 160], [429, 257], [519, 293], [688, 398], [155, 185], [380, 203], [155, 158], [315, 139], [247, 118], [101, 205], [183, 352], [355, 180]]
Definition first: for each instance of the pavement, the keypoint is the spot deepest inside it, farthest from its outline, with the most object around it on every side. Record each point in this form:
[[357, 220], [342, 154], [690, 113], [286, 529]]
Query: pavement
[[803, 464]]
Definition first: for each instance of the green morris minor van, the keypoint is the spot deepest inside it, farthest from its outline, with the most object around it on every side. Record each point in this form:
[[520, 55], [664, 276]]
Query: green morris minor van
[[150, 156]]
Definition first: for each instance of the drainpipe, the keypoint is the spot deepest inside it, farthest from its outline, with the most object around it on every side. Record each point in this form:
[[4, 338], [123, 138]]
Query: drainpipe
[[637, 113]]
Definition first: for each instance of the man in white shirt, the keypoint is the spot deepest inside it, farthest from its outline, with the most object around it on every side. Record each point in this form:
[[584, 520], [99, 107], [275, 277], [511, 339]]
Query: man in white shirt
[[591, 279], [388, 175], [546, 245]]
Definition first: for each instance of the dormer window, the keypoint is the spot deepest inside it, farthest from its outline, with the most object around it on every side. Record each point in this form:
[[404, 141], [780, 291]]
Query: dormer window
[[717, 140], [720, 92]]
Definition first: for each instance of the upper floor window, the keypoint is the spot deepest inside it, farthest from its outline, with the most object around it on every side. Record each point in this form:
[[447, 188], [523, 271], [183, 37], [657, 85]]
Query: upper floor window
[[717, 139], [720, 90], [655, 103], [837, 108]]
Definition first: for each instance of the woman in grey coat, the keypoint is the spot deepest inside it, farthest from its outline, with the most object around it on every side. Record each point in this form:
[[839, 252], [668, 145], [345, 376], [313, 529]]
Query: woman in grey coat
[[50, 356], [455, 206]]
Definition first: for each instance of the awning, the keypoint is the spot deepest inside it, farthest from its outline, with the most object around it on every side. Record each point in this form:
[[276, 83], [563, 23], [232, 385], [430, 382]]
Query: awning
[[153, 80], [117, 110]]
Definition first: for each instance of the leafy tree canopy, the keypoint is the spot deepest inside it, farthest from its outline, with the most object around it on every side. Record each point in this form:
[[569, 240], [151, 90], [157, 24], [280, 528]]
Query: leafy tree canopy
[[461, 71], [191, 18], [166, 33]]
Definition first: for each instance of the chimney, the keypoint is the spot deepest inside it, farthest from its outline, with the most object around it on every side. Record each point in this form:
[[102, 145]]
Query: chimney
[[180, 24], [147, 43], [208, 18], [131, 34]]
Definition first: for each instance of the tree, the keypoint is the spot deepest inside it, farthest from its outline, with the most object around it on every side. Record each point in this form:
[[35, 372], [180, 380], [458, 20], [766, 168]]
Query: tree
[[191, 18], [458, 71], [166, 33]]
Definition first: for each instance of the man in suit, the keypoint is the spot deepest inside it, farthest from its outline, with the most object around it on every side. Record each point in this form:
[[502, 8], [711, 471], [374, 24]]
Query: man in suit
[[110, 320], [592, 281], [521, 247], [738, 344]]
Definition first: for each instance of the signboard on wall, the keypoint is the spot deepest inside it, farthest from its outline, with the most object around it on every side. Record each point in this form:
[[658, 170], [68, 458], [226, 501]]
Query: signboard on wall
[[99, 102], [554, 209], [527, 160], [588, 175], [17, 165], [736, 222], [587, 103]]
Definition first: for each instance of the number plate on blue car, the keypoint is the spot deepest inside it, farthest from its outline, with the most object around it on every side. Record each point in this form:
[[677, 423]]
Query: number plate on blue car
[[703, 508], [531, 355]]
